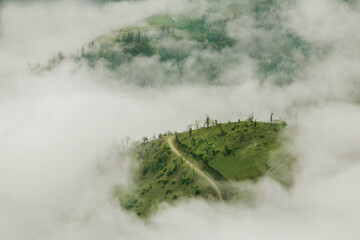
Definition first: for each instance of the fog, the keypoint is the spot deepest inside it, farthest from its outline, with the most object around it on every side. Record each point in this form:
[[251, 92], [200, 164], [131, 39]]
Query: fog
[[60, 130]]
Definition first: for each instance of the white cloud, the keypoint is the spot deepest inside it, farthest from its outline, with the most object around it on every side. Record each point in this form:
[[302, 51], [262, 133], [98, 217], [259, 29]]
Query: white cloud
[[57, 128]]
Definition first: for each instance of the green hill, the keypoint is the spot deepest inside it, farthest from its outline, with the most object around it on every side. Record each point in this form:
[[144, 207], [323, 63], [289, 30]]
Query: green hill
[[198, 46], [227, 152], [167, 40]]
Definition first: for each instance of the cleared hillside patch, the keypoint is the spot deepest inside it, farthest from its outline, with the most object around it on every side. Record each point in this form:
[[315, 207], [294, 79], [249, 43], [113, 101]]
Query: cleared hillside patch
[[238, 150]]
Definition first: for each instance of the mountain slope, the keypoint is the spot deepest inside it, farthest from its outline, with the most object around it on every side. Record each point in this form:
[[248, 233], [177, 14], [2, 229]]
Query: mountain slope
[[238, 151], [200, 46], [198, 171]]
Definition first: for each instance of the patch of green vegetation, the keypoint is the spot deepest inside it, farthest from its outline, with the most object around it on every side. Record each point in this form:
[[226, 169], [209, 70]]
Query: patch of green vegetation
[[161, 20], [237, 151], [160, 177], [123, 45], [118, 49], [208, 34], [234, 151], [282, 53], [136, 44]]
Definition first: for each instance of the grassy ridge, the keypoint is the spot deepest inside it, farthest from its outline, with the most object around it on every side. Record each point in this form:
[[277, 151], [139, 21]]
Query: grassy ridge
[[231, 151], [237, 151]]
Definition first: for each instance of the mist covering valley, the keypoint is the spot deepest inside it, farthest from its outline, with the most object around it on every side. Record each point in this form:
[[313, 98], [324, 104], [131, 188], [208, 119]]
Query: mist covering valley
[[61, 126]]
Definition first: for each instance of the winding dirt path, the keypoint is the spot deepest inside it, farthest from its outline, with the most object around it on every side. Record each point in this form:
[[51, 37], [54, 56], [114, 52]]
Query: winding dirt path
[[202, 174]]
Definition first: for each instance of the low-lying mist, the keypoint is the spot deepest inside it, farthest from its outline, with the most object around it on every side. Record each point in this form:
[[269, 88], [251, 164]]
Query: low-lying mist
[[60, 130]]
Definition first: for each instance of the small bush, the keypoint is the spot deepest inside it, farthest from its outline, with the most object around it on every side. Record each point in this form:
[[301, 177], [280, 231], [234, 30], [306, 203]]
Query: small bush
[[168, 192]]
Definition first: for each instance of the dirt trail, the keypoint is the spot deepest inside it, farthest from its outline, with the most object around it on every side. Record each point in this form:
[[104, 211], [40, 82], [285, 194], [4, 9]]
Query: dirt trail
[[202, 174]]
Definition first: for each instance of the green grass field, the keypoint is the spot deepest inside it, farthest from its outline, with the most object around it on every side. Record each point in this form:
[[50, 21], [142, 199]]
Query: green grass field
[[238, 151]]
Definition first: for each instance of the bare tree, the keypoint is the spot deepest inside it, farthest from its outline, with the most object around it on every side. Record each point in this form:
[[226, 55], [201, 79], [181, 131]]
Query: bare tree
[[207, 121], [219, 126], [251, 118], [190, 126], [197, 124]]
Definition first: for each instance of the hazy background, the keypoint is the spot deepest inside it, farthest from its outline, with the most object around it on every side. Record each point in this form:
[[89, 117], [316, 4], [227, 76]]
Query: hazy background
[[59, 131]]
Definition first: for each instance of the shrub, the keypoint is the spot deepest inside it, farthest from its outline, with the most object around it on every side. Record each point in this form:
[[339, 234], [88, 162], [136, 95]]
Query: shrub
[[168, 192]]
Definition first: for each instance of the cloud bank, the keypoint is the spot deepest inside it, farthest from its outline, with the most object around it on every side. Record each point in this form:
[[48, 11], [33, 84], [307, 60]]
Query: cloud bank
[[60, 130]]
